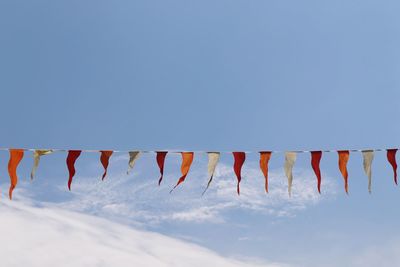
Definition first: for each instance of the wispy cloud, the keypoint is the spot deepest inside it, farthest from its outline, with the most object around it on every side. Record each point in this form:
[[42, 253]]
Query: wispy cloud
[[142, 201]]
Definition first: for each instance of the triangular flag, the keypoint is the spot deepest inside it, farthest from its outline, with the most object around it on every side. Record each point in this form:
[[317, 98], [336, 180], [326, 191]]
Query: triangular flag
[[315, 160], [343, 159], [187, 159], [36, 159], [368, 157], [264, 159], [133, 156], [391, 156], [239, 158], [71, 158], [290, 159], [16, 156], [160, 162], [213, 158], [105, 159]]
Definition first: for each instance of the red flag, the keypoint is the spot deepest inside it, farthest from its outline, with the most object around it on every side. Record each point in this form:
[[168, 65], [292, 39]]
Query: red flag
[[160, 162], [105, 159], [187, 159], [16, 156], [71, 158], [315, 160], [343, 159], [239, 157], [264, 159], [391, 156]]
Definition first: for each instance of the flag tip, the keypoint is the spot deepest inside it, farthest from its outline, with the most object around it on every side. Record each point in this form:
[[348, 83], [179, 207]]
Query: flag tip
[[202, 194], [173, 188]]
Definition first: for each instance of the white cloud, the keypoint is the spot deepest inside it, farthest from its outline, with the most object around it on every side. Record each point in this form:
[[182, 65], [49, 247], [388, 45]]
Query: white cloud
[[53, 237], [142, 201]]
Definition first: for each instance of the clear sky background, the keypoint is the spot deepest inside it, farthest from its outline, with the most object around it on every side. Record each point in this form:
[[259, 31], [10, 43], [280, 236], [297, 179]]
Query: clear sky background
[[213, 75]]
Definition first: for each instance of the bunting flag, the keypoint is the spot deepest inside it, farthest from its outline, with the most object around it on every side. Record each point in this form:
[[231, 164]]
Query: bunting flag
[[315, 160], [343, 159], [368, 157], [36, 159], [105, 159], [213, 158], [160, 162], [391, 156], [133, 156], [264, 160], [290, 159], [187, 159], [71, 158], [239, 158], [16, 156]]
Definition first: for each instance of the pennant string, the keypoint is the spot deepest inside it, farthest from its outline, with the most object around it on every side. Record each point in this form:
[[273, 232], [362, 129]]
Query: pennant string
[[161, 155], [200, 151], [343, 159], [315, 161], [196, 151], [187, 159], [105, 159], [16, 156], [71, 158], [213, 158], [391, 156], [264, 160], [239, 159]]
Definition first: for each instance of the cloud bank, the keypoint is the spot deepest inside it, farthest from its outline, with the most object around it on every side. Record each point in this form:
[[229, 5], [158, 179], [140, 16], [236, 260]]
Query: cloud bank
[[53, 237], [141, 200]]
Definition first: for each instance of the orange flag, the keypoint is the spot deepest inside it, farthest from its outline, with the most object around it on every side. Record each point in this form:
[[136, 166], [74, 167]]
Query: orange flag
[[264, 159], [16, 156], [343, 159], [187, 159], [239, 157], [105, 159], [160, 162], [315, 160], [391, 156], [71, 158]]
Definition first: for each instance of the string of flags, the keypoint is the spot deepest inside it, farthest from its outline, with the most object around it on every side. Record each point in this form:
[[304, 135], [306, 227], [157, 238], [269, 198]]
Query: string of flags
[[239, 157]]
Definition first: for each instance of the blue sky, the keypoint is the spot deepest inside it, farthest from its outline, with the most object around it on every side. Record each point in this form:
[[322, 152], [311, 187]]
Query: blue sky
[[212, 75]]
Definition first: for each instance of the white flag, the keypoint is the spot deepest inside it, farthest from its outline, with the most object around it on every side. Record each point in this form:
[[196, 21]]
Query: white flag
[[368, 156], [213, 158], [290, 159], [36, 159], [133, 156]]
